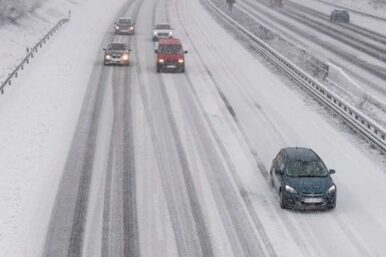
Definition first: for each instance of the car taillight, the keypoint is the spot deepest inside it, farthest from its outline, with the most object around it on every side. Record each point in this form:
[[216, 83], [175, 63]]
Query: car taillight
[[161, 60], [180, 60]]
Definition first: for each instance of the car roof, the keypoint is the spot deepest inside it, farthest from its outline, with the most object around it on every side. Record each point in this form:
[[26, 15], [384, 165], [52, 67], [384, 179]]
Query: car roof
[[169, 41], [162, 24], [124, 18], [301, 154]]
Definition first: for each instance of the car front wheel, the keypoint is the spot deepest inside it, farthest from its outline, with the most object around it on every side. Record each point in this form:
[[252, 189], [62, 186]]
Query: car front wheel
[[283, 203]]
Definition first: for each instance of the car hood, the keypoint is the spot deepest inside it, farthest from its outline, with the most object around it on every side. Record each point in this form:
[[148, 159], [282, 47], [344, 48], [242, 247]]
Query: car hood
[[124, 26], [116, 52], [170, 57], [309, 185], [162, 30]]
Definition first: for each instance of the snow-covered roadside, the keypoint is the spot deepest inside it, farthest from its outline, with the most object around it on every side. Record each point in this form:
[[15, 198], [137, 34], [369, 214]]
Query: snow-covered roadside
[[38, 115], [374, 7], [26, 31], [367, 22]]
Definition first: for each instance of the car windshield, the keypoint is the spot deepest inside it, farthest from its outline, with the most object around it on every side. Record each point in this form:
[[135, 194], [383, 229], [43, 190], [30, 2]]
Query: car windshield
[[300, 168], [162, 26], [117, 47], [124, 21], [170, 49]]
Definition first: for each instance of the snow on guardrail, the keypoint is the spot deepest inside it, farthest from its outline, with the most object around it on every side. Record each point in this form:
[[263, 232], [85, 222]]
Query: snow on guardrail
[[30, 54], [354, 117]]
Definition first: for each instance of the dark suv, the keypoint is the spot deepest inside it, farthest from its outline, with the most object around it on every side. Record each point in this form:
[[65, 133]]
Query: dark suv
[[302, 180], [340, 15]]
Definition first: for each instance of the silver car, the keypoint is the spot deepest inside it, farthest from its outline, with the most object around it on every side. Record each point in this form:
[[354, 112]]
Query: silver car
[[117, 53], [162, 31], [125, 26]]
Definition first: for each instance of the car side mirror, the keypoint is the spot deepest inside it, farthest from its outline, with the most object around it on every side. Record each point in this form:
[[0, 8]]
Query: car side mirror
[[129, 49], [104, 49], [331, 172], [186, 51], [156, 51]]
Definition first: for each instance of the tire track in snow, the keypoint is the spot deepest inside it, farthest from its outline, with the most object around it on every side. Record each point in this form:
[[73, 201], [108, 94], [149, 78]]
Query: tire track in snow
[[190, 230], [257, 222], [65, 236], [124, 163]]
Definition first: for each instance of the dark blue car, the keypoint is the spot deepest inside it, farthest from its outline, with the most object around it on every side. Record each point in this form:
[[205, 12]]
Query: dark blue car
[[302, 180]]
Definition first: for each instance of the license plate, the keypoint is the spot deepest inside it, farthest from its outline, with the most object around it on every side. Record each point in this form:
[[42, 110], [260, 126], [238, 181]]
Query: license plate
[[313, 200], [171, 66]]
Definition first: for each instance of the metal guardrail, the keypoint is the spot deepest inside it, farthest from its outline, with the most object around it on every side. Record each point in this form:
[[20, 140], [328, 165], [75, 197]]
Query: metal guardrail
[[354, 117], [30, 54]]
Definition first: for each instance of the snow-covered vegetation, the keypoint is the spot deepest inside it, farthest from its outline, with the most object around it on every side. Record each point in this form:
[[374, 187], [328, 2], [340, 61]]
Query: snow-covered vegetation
[[11, 10]]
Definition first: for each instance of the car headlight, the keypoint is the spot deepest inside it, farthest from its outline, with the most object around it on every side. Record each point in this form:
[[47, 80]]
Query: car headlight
[[125, 57], [161, 60], [180, 60], [107, 57], [332, 189], [155, 33], [117, 27], [131, 28], [170, 33], [290, 189]]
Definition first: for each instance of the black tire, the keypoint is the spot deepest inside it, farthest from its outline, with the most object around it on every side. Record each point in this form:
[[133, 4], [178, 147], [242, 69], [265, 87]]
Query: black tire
[[283, 204], [271, 179]]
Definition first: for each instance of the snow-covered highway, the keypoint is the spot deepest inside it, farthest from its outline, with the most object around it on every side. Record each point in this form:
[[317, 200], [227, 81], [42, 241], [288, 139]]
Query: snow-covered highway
[[124, 161]]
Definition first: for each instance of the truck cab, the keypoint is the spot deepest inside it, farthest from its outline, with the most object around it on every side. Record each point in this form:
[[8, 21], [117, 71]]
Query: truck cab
[[170, 55]]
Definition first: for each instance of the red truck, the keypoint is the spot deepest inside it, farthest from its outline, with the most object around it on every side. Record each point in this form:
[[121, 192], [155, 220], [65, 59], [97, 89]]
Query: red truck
[[170, 55]]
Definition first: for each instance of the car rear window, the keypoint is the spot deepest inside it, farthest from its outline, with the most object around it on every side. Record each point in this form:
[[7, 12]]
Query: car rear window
[[170, 49]]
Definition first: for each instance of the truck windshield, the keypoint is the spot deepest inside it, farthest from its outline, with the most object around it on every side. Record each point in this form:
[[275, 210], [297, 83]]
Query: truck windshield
[[170, 49]]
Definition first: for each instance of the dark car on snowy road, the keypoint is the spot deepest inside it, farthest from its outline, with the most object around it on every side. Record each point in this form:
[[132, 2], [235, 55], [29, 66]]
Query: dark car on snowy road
[[302, 180], [117, 53], [340, 16], [124, 26]]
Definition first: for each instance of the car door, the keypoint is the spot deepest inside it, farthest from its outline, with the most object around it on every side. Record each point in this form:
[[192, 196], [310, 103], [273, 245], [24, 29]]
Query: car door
[[278, 166]]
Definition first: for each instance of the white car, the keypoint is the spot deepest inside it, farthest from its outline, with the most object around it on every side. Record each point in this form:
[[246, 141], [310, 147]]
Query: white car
[[162, 31]]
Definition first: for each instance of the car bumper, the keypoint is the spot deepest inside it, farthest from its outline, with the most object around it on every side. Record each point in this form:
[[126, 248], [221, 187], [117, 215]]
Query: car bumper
[[297, 201], [117, 62], [157, 37], [171, 67], [124, 32]]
